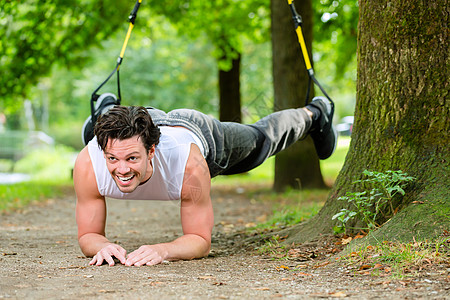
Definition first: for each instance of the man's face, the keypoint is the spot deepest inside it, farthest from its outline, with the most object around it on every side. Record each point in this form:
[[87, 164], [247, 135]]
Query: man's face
[[128, 162]]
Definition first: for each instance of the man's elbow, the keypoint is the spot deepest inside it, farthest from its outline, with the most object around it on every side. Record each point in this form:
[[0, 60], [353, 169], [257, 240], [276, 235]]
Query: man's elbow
[[203, 248], [206, 251]]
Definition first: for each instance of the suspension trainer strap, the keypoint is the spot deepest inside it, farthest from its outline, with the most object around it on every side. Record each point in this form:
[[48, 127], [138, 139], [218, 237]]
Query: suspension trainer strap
[[301, 40], [94, 96]]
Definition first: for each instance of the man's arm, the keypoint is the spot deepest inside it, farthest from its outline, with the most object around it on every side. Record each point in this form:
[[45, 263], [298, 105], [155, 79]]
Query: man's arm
[[197, 219], [91, 215]]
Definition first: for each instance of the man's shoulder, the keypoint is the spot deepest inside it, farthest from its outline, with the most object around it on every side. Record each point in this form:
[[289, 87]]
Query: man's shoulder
[[83, 165], [83, 157], [196, 163], [84, 177]]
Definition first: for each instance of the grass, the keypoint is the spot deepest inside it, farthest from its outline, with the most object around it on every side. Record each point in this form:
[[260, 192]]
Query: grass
[[330, 167], [399, 260], [16, 196], [291, 207], [50, 171]]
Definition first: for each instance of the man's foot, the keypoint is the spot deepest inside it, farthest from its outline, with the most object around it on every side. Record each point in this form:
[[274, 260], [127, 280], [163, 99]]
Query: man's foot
[[323, 132], [104, 103]]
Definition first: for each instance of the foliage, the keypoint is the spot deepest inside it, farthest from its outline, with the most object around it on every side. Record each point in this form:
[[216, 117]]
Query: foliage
[[51, 163], [36, 34], [379, 200], [165, 66], [338, 22], [224, 22]]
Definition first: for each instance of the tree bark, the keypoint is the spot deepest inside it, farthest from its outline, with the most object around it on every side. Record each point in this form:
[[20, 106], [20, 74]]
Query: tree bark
[[402, 117], [298, 166], [230, 93]]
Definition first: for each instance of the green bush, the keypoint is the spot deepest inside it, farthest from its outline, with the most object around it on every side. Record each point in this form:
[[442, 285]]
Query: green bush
[[51, 163]]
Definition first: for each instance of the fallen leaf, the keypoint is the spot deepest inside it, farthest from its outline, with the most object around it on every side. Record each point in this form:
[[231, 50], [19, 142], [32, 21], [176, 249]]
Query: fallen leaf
[[365, 267], [346, 241], [206, 277], [303, 274], [418, 202], [359, 236], [261, 218], [338, 295], [377, 266], [282, 267], [261, 289], [219, 283], [322, 264], [404, 283]]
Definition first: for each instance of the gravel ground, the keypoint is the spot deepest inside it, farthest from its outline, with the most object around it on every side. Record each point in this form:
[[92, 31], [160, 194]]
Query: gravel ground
[[40, 259]]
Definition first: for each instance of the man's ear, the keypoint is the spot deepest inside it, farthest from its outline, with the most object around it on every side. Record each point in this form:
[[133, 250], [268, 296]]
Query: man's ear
[[151, 152]]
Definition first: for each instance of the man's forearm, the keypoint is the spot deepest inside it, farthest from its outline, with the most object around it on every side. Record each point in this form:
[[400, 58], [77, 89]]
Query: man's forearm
[[188, 246]]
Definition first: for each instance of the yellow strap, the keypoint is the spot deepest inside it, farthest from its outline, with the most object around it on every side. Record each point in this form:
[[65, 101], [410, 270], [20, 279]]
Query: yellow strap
[[127, 37], [301, 40], [125, 43]]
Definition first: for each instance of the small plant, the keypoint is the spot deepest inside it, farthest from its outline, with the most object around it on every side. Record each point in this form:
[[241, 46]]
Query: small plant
[[367, 206], [274, 248]]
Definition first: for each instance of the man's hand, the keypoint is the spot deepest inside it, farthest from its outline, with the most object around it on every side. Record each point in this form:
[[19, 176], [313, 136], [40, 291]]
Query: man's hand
[[147, 255], [107, 253]]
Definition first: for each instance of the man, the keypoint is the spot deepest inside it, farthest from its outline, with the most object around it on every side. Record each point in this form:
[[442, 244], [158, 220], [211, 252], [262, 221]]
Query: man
[[139, 153]]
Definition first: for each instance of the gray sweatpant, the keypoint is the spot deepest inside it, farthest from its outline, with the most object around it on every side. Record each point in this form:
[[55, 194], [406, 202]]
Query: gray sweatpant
[[232, 148]]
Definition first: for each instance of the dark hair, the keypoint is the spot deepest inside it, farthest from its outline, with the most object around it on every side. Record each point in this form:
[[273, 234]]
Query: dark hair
[[124, 122]]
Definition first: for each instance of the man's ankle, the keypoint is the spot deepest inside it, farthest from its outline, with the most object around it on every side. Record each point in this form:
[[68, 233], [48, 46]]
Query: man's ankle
[[314, 113], [310, 114]]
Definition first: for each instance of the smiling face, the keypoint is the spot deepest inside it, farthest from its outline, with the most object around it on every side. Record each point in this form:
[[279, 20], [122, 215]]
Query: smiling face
[[128, 162]]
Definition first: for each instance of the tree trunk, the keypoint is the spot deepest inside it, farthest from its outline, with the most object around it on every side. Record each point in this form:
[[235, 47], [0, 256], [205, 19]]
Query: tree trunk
[[402, 117], [230, 93], [298, 166]]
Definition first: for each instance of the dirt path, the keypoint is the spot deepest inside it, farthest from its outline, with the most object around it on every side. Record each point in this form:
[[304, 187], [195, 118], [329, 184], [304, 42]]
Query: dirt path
[[40, 259]]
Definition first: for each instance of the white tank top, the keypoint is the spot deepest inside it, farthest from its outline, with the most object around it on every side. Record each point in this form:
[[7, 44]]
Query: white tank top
[[169, 164]]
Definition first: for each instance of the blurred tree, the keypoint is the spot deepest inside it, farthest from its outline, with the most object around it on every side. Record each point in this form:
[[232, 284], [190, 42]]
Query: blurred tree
[[298, 166], [225, 23]]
